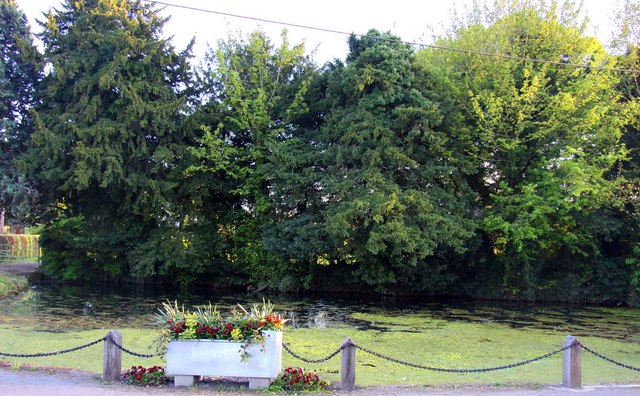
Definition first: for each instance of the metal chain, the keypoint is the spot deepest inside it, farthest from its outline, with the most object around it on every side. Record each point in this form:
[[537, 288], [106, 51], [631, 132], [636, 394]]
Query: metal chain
[[609, 359], [332, 355], [30, 355], [123, 349], [453, 370], [295, 355]]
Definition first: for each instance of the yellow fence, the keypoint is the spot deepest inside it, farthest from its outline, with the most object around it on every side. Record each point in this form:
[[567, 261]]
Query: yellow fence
[[19, 247]]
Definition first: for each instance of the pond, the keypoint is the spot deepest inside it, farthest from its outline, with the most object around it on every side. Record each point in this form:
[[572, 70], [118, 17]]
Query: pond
[[55, 308]]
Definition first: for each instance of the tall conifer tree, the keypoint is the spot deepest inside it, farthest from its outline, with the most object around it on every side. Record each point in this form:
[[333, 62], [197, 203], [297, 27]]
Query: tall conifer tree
[[18, 78], [107, 133], [374, 184]]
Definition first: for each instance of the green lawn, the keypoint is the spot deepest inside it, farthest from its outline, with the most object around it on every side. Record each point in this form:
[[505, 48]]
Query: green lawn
[[411, 338], [10, 284]]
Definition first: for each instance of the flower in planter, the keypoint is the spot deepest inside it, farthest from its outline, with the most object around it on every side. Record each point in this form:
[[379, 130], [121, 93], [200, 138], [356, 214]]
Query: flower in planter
[[143, 376], [297, 379], [243, 325]]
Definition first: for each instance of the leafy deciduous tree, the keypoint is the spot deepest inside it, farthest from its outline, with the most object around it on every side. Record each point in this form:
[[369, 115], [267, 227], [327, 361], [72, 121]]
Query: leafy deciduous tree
[[627, 44], [254, 91], [545, 137]]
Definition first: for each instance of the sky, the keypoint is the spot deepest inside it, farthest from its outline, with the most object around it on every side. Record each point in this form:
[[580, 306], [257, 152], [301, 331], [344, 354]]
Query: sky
[[412, 20]]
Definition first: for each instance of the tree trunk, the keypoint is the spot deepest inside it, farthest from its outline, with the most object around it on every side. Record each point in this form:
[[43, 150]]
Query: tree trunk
[[1, 221]]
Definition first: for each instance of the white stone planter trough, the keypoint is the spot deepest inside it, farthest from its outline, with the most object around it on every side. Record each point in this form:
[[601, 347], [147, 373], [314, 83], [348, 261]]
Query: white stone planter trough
[[221, 358]]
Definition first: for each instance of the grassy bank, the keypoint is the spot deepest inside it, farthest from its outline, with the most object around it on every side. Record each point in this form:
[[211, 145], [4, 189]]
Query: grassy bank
[[412, 338], [10, 284]]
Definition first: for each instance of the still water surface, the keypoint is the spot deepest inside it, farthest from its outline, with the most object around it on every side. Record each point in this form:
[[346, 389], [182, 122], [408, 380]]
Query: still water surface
[[55, 308]]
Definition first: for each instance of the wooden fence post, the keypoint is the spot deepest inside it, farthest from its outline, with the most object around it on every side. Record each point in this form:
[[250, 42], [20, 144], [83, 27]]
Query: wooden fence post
[[112, 363], [348, 370], [571, 363]]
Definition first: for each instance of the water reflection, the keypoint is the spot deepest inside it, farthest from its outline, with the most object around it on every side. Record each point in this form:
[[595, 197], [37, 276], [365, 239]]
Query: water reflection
[[55, 308]]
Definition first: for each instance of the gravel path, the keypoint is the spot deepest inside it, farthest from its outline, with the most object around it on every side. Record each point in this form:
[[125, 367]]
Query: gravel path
[[21, 269], [54, 382]]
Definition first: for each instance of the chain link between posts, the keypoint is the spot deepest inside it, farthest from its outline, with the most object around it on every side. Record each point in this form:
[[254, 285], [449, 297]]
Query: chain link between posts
[[419, 366], [608, 359], [87, 345], [333, 354], [43, 354], [457, 370], [295, 355], [130, 352]]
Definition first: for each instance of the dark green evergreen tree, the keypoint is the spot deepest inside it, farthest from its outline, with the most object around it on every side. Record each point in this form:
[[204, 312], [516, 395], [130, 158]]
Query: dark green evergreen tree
[[18, 79], [376, 185], [108, 140]]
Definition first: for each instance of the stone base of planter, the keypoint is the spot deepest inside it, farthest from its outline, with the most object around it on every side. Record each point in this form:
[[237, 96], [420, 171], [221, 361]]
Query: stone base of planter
[[258, 383], [184, 380], [189, 380]]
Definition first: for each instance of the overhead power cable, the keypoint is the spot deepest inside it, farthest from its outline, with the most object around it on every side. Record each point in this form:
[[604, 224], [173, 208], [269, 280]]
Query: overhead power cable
[[413, 43]]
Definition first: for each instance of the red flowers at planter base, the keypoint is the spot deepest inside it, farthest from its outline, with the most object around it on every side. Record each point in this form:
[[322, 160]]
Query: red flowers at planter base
[[296, 379], [138, 375]]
